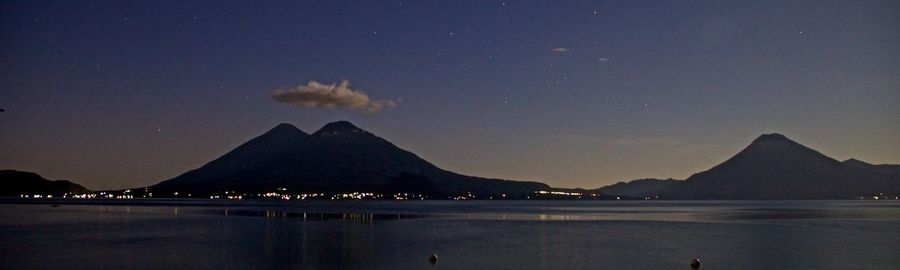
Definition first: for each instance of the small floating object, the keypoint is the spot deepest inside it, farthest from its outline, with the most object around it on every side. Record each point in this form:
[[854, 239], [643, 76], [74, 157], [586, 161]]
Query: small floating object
[[695, 263], [55, 205], [433, 258]]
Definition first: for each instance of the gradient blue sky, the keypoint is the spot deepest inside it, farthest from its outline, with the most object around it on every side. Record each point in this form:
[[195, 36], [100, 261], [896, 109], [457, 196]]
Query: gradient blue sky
[[575, 94]]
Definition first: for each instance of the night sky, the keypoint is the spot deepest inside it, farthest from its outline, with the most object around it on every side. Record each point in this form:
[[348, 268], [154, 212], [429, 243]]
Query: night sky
[[125, 94]]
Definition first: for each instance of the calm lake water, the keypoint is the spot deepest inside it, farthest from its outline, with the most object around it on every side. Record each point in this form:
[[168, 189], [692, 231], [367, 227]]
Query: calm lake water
[[163, 234]]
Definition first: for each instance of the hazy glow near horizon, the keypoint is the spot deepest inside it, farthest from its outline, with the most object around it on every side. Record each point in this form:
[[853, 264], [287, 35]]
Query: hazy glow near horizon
[[114, 95]]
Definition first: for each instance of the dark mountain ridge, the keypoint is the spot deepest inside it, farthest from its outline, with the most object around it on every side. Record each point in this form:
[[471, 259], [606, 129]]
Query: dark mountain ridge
[[775, 167], [638, 188], [262, 147], [886, 168], [339, 157], [15, 183]]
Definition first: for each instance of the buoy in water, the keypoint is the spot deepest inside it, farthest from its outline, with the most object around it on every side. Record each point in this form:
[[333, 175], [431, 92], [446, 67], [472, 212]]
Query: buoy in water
[[433, 258], [695, 263]]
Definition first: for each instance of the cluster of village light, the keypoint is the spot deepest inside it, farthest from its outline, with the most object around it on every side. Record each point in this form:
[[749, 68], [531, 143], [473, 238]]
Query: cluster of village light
[[36, 196], [880, 196], [101, 195], [468, 196], [558, 193], [355, 196], [409, 196], [231, 196], [577, 195], [281, 193]]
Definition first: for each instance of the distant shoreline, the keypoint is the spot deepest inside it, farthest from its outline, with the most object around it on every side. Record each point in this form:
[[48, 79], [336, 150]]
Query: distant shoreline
[[276, 202]]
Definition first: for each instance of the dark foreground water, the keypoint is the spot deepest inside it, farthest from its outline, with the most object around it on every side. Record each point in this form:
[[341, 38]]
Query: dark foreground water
[[465, 235]]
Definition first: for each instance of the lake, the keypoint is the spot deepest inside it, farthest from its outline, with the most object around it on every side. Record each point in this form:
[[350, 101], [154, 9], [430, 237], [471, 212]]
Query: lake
[[218, 234]]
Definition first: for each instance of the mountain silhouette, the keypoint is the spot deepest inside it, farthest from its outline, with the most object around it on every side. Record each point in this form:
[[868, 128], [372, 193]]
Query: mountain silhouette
[[638, 188], [885, 168], [15, 183], [339, 157], [251, 153], [775, 167]]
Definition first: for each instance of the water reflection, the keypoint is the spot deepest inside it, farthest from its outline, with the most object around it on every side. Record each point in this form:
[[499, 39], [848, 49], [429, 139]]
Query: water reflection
[[309, 216], [557, 217], [476, 235], [513, 211]]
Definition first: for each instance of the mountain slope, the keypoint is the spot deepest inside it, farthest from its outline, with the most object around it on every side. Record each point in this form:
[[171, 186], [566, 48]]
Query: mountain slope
[[341, 157], [775, 167], [638, 188], [246, 155], [885, 168], [14, 183]]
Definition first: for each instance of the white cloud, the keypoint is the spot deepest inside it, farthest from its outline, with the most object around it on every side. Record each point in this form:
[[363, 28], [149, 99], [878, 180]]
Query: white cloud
[[314, 94]]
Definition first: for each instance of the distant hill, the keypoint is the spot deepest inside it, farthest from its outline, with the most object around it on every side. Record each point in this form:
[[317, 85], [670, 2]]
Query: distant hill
[[775, 167], [15, 183], [638, 188], [886, 168], [339, 157]]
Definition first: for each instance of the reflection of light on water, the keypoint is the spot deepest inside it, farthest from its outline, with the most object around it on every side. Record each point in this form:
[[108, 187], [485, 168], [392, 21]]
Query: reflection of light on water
[[542, 211], [557, 217], [360, 217]]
